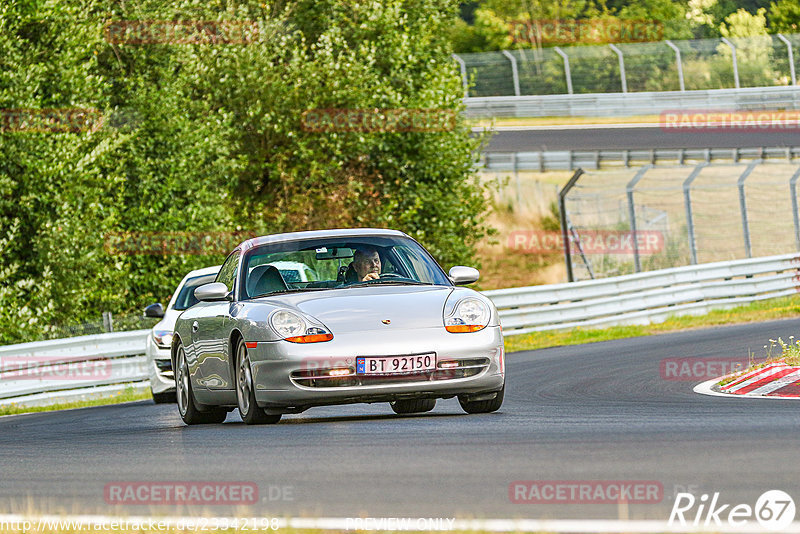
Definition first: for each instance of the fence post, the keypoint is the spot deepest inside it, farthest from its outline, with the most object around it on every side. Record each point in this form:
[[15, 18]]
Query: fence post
[[735, 62], [567, 73], [687, 185], [516, 177], [514, 71], [632, 214], [621, 67], [793, 189], [743, 206], [678, 62], [562, 212], [108, 322], [463, 73], [791, 57]]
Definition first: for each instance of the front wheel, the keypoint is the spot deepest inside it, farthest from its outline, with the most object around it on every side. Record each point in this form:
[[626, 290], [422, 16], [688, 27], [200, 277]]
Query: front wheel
[[483, 406], [245, 392], [402, 407], [187, 406]]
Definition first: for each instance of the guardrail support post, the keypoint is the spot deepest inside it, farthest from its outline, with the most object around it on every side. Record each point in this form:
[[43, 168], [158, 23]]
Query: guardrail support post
[[678, 63], [567, 73], [791, 57], [735, 62], [687, 198], [514, 71], [743, 206], [621, 67], [516, 177], [795, 215], [463, 73], [632, 214], [562, 212]]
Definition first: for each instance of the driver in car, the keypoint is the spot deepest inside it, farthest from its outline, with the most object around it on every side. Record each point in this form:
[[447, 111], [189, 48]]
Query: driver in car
[[367, 264]]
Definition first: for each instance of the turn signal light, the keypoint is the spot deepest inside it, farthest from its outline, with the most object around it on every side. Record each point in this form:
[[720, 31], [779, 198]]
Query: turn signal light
[[312, 338], [461, 328]]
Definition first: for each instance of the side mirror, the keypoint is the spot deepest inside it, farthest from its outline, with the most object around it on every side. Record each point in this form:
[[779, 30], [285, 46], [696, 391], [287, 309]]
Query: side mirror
[[461, 275], [211, 292], [155, 311]]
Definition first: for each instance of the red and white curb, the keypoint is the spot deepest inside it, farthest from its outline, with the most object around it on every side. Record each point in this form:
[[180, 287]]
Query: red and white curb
[[774, 381]]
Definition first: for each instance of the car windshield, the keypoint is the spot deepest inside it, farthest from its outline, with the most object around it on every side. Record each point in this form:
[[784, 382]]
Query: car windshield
[[186, 298], [338, 263]]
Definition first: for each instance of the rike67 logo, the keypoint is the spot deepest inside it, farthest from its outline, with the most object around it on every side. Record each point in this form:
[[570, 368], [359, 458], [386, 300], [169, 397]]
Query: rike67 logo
[[774, 510]]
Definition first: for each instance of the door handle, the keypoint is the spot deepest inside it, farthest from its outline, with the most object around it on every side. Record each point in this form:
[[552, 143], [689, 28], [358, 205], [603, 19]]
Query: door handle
[[195, 326]]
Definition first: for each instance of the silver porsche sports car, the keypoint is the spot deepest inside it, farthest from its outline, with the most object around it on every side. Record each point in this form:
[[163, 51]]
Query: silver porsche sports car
[[309, 319]]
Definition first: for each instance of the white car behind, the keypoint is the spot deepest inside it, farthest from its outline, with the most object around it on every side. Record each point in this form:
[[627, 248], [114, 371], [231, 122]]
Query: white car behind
[[159, 364]]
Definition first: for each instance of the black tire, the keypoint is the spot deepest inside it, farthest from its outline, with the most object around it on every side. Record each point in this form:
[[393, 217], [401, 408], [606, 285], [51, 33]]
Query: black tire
[[165, 397], [245, 392], [187, 405], [402, 407], [483, 406]]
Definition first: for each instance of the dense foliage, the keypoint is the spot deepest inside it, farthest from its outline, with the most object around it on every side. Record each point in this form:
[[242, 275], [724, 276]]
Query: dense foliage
[[208, 138]]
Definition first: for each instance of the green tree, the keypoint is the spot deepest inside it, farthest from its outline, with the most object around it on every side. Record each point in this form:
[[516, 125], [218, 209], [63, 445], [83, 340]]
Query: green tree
[[784, 16]]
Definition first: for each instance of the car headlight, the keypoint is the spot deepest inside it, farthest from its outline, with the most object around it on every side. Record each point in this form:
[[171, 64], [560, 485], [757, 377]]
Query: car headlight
[[292, 327], [469, 315], [163, 338]]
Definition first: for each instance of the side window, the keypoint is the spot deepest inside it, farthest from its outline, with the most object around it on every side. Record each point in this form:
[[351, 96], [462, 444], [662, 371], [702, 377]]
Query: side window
[[227, 273]]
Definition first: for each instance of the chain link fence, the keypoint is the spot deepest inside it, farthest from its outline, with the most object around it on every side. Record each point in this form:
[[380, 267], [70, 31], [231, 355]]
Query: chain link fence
[[700, 64], [656, 217]]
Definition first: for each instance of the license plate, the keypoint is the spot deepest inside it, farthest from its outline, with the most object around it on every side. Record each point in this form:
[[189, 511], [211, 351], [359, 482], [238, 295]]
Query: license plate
[[390, 365]]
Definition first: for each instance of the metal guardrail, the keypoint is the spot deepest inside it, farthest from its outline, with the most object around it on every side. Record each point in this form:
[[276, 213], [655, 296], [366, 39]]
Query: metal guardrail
[[595, 159], [60, 365], [645, 298], [626, 104], [632, 299]]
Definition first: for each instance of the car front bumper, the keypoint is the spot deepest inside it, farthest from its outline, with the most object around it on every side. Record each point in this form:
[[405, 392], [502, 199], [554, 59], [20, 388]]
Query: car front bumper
[[281, 369], [159, 368]]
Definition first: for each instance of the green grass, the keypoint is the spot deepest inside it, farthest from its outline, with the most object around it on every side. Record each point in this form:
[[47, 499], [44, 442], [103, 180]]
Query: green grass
[[758, 311], [129, 395]]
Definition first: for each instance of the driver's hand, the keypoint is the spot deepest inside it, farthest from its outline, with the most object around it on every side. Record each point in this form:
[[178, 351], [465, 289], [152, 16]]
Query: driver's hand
[[371, 276]]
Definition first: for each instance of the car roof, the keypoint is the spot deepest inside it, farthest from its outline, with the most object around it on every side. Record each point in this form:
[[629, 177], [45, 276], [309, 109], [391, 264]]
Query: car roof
[[315, 234], [203, 271]]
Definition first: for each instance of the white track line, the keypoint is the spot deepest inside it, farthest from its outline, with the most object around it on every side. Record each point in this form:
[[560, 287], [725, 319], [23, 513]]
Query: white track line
[[102, 523]]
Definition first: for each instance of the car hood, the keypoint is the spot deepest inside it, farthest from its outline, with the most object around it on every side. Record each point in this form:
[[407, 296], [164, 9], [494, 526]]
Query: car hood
[[366, 308]]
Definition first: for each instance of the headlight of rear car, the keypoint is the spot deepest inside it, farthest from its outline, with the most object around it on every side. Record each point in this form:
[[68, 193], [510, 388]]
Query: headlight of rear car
[[163, 338], [469, 315], [292, 327]]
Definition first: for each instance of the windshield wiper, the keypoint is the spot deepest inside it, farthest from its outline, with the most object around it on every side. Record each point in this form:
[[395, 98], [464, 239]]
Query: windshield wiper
[[378, 281], [291, 290]]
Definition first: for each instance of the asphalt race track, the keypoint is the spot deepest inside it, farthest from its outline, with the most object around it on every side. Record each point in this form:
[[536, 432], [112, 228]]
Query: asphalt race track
[[635, 138], [592, 412]]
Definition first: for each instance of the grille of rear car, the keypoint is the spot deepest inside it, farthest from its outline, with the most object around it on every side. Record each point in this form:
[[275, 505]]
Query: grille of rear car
[[164, 367], [319, 379]]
